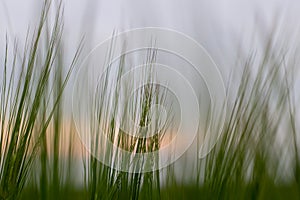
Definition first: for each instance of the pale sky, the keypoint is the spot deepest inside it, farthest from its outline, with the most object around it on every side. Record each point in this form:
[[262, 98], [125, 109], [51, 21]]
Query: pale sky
[[219, 25], [216, 24]]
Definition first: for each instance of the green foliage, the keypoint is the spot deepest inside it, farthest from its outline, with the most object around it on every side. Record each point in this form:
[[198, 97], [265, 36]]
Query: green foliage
[[26, 110]]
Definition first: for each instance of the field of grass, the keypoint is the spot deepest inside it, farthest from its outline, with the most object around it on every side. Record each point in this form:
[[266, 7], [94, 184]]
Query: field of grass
[[41, 156]]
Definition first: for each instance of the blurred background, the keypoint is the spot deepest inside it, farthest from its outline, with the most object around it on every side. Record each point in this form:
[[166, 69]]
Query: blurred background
[[237, 34]]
